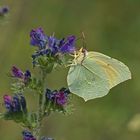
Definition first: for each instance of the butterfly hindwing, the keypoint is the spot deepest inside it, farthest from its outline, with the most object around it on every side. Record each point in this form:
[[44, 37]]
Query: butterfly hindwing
[[85, 83]]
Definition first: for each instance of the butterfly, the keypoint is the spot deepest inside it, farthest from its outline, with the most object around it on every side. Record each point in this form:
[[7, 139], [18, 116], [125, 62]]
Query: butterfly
[[93, 74]]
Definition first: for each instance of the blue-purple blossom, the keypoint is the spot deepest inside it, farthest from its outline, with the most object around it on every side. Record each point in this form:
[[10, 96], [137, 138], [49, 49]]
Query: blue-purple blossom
[[61, 46], [17, 103], [53, 44], [16, 72], [4, 10], [27, 135], [68, 45], [59, 97], [38, 38], [49, 94], [64, 45], [51, 49], [41, 53], [24, 76], [27, 73], [27, 76], [8, 103]]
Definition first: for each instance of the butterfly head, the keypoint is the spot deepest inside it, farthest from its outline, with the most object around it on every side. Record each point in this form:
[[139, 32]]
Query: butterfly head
[[80, 55]]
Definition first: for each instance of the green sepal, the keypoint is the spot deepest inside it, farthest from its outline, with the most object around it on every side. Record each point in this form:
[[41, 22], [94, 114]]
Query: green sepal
[[17, 87], [15, 116], [46, 63], [31, 120], [65, 60], [26, 119], [35, 84], [51, 106]]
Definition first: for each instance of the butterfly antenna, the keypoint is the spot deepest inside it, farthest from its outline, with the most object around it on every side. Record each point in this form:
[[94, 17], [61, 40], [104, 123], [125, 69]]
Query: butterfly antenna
[[53, 34], [81, 36], [84, 41]]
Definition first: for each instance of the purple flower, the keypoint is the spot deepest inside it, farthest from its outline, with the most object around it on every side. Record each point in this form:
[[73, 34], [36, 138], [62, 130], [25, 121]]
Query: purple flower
[[24, 76], [4, 10], [53, 44], [17, 73], [38, 38], [59, 97], [17, 103], [68, 45], [8, 102], [27, 76], [49, 94], [50, 47], [62, 96], [27, 135]]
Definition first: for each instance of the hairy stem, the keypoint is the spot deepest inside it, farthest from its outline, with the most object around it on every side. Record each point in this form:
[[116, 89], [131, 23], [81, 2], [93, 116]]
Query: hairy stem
[[41, 109]]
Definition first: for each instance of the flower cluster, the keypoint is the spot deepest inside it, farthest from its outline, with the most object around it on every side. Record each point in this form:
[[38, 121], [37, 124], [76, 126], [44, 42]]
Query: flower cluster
[[50, 43], [17, 103], [38, 38], [50, 52], [58, 97], [4, 10], [27, 135], [23, 76], [50, 46]]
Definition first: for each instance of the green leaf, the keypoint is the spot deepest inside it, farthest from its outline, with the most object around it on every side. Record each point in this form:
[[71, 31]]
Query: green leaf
[[17, 87], [46, 63], [31, 120], [26, 119], [35, 84], [93, 74], [18, 117]]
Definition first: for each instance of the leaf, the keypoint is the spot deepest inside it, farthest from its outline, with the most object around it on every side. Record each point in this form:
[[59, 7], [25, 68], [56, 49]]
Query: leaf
[[17, 87], [35, 84], [93, 74], [25, 119], [31, 120], [18, 117]]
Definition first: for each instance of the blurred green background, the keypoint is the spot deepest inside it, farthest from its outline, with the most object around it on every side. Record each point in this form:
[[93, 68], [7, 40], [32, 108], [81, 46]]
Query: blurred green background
[[111, 27]]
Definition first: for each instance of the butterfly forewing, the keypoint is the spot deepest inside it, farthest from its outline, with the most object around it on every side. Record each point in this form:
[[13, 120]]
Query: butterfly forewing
[[115, 70]]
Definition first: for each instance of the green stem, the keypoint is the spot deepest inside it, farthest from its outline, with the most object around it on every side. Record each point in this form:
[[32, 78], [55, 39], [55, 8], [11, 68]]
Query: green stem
[[41, 109]]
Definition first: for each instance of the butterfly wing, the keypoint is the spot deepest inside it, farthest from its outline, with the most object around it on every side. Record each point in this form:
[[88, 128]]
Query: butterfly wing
[[116, 71]]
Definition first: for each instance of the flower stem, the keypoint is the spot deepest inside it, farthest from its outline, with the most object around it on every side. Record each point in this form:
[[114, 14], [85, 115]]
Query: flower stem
[[41, 109]]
